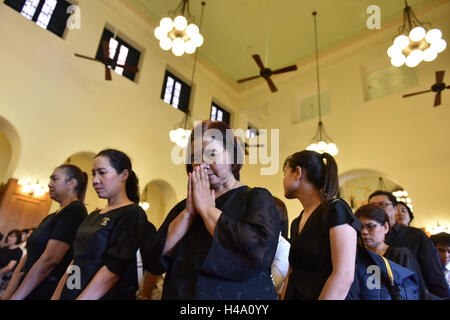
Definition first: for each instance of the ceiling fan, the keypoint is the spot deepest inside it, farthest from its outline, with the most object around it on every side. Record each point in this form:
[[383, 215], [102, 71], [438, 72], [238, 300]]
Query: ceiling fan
[[266, 72], [246, 146], [438, 87], [108, 62]]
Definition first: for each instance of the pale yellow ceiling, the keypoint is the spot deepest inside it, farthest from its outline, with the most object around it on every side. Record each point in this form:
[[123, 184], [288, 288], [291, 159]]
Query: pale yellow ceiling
[[280, 31]]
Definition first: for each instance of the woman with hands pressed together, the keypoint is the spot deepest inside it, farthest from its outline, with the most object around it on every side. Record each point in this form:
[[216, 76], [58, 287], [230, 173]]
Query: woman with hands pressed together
[[218, 243]]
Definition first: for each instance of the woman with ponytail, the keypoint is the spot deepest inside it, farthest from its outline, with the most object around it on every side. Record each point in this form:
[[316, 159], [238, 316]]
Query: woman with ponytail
[[323, 237], [106, 243], [49, 248]]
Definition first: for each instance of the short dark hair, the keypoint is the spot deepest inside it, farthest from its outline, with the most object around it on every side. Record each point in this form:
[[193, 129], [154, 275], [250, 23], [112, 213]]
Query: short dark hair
[[18, 234], [238, 153], [442, 238], [373, 212], [391, 197], [411, 216]]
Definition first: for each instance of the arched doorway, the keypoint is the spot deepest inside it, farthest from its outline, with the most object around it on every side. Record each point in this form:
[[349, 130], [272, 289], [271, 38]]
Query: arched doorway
[[162, 197], [355, 186], [9, 150], [19, 209], [5, 159]]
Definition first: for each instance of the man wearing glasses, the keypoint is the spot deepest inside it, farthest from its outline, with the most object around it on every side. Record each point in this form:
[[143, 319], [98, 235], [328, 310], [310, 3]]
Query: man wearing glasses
[[415, 240]]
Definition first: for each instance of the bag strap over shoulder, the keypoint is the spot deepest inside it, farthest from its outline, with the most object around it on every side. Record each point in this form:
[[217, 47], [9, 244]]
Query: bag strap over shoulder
[[389, 271], [357, 224], [336, 200]]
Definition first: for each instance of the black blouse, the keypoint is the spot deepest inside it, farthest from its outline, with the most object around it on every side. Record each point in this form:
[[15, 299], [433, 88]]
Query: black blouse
[[110, 239], [425, 253], [7, 255], [61, 226], [310, 254], [405, 258], [235, 263]]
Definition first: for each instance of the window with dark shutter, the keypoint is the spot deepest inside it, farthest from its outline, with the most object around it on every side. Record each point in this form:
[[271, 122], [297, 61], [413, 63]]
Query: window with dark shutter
[[48, 14], [219, 114], [176, 92], [120, 52]]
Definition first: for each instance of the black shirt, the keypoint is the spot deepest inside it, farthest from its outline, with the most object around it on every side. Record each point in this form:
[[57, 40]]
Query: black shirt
[[7, 255], [61, 226], [235, 263], [110, 239], [310, 254], [404, 257], [423, 249]]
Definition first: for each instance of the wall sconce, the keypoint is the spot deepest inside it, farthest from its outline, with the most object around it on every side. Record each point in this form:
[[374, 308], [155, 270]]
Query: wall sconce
[[32, 187], [438, 229]]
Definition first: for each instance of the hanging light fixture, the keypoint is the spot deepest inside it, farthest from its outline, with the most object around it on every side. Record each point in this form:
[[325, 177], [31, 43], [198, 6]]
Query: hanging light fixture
[[321, 142], [402, 195], [178, 32], [181, 134], [416, 41], [144, 203]]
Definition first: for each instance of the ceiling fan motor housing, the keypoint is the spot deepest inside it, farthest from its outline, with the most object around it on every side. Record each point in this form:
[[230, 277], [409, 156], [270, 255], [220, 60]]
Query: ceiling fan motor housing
[[265, 73], [438, 87]]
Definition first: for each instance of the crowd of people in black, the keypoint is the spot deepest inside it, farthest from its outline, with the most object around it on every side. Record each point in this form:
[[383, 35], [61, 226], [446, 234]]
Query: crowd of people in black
[[225, 240]]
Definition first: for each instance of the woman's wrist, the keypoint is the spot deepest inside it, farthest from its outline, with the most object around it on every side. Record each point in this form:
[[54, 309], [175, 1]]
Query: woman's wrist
[[205, 211], [189, 215]]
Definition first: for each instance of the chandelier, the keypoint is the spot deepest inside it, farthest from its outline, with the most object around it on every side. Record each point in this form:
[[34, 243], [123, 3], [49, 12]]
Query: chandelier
[[402, 196], [321, 142], [178, 32], [416, 41], [181, 134]]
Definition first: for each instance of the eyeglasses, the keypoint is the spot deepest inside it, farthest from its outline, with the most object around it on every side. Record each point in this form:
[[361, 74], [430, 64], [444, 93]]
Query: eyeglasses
[[370, 226], [382, 204]]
